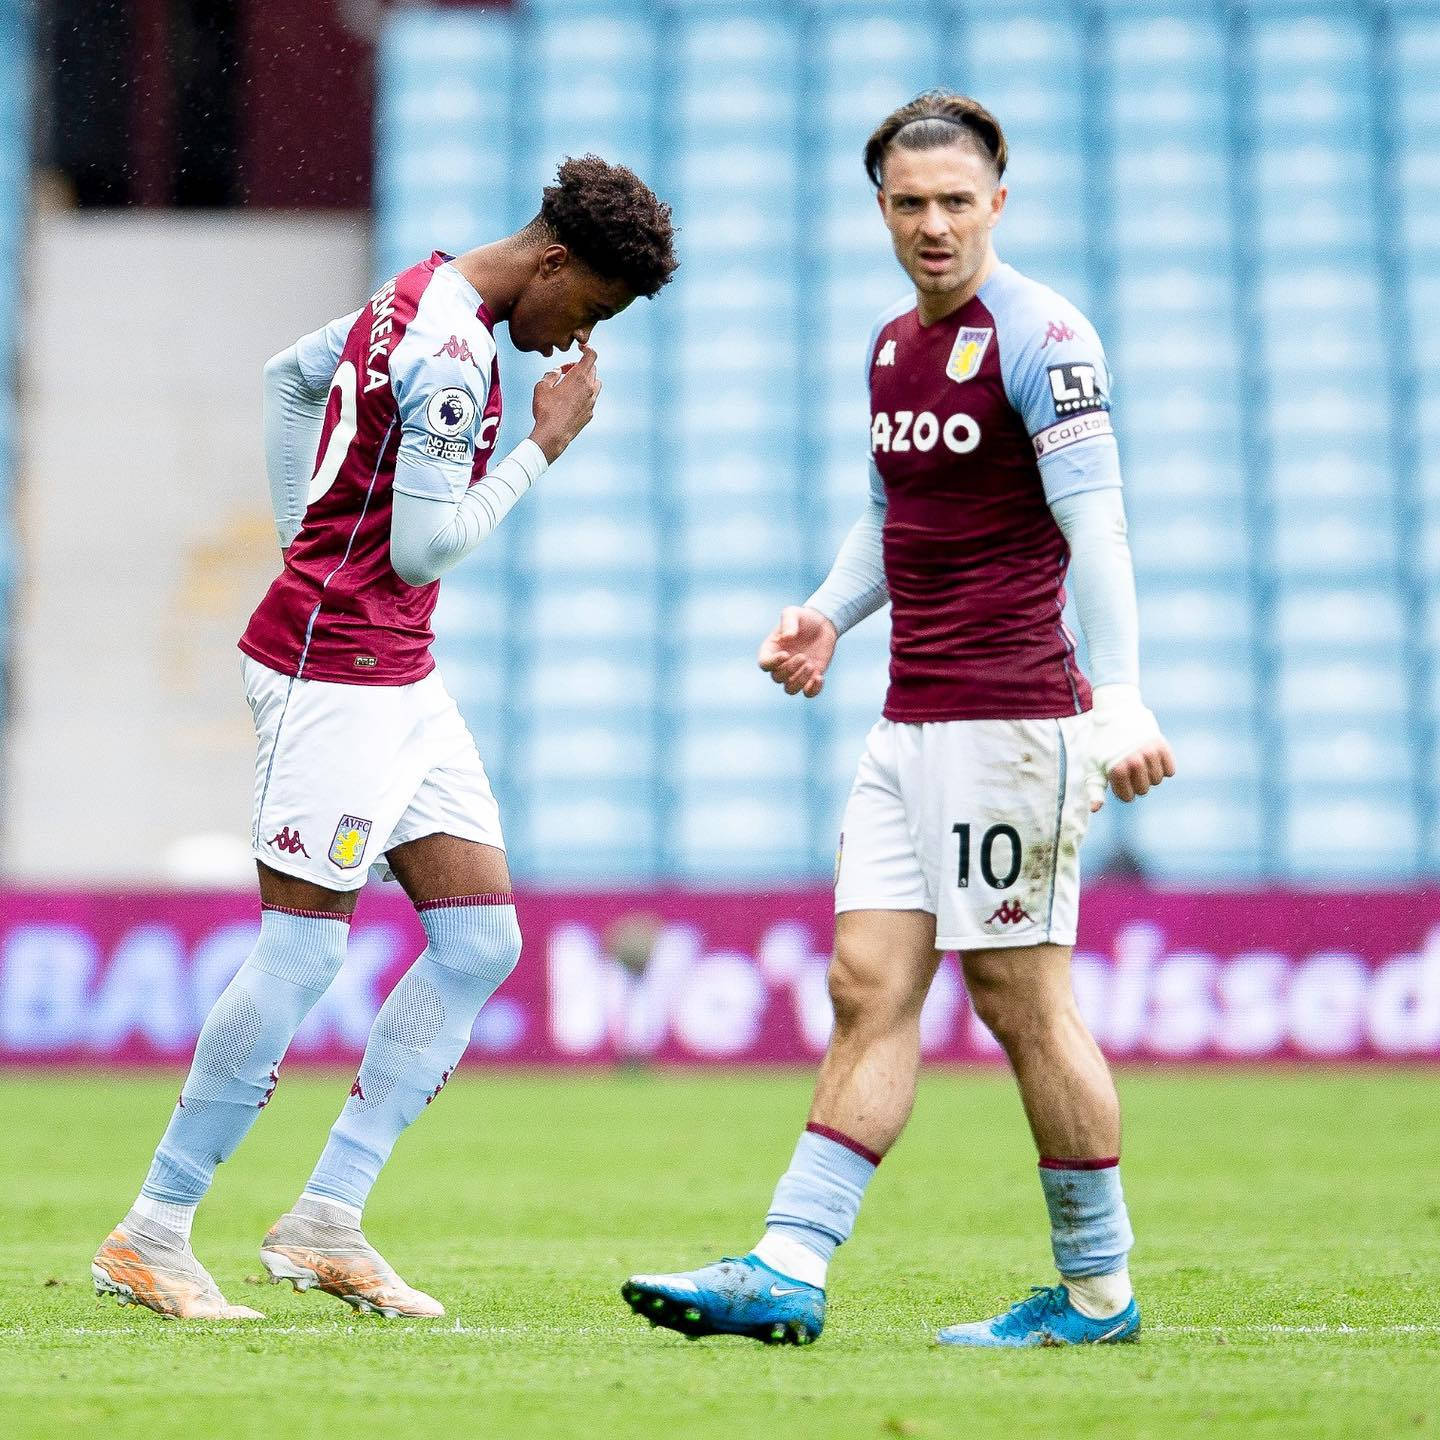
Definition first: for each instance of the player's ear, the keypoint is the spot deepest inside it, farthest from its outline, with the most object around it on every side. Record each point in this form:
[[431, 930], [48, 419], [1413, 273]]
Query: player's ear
[[880, 201], [997, 204], [553, 259]]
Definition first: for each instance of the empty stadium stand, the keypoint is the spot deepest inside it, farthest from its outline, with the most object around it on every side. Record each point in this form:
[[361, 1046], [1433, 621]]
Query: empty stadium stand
[[1245, 199]]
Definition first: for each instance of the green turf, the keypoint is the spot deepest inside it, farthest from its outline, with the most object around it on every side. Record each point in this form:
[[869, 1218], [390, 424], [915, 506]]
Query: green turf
[[1272, 1212]]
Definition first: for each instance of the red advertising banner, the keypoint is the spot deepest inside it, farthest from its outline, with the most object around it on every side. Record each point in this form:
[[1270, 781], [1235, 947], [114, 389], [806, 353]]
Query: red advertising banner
[[670, 975]]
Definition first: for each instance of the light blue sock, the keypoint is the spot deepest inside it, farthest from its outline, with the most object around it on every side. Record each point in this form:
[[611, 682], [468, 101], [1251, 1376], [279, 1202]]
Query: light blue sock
[[418, 1038], [818, 1197], [241, 1044], [1089, 1225]]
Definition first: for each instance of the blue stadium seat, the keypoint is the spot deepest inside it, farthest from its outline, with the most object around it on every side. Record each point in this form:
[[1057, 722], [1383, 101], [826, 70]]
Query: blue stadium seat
[[1378, 752], [1350, 833], [1192, 683], [740, 753], [1360, 688], [757, 834], [602, 833], [1333, 543], [1320, 620], [1200, 831], [558, 749]]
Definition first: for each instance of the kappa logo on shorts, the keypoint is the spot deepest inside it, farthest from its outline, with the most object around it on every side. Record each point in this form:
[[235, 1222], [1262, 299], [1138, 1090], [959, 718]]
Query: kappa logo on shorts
[[288, 842], [1010, 913], [347, 849]]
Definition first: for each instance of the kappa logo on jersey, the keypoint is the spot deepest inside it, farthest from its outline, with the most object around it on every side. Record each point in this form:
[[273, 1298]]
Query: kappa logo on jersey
[[347, 849], [1075, 390], [1056, 333], [456, 349], [905, 431], [288, 842], [968, 351], [885, 355]]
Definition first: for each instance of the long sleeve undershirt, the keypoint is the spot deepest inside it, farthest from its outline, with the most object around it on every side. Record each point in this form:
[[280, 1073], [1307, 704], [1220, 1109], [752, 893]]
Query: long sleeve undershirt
[[428, 536], [1101, 575], [293, 415], [1103, 579]]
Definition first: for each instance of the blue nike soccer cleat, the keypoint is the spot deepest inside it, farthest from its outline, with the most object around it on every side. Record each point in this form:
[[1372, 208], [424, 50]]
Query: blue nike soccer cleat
[[735, 1296], [1046, 1318]]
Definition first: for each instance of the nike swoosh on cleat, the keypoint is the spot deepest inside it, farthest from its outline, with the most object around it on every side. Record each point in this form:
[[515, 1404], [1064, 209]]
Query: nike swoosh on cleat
[[1100, 1339], [779, 1290]]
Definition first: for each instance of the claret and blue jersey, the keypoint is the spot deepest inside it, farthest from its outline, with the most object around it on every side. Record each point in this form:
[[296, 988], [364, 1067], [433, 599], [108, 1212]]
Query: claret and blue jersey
[[978, 422], [414, 405]]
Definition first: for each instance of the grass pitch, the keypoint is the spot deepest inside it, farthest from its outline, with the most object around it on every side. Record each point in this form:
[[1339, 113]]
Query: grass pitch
[[1288, 1266]]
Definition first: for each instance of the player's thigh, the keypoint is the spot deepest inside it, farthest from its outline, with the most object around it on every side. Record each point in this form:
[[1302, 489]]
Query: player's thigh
[[445, 867], [448, 842], [288, 892], [877, 866], [883, 966], [1001, 811], [1019, 986]]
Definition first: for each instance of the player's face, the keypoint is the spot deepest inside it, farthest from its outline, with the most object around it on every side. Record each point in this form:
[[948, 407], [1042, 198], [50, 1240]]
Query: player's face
[[562, 303], [940, 206]]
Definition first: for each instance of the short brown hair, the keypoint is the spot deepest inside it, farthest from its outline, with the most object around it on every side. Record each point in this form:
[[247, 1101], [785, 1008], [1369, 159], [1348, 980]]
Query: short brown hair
[[612, 221], [932, 119]]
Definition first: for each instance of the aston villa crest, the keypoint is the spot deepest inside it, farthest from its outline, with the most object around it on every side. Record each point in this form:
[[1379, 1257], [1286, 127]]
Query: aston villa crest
[[347, 849], [970, 347]]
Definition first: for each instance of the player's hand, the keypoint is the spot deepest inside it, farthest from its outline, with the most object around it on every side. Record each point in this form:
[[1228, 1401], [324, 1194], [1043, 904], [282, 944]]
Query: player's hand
[[796, 653], [563, 404], [1126, 748]]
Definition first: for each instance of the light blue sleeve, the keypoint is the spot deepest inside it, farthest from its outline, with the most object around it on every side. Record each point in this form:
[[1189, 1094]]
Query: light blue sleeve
[[1058, 381], [441, 399], [855, 587], [296, 391], [319, 353]]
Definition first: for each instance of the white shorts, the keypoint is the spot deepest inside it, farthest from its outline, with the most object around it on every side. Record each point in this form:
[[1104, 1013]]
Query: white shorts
[[977, 821], [346, 772]]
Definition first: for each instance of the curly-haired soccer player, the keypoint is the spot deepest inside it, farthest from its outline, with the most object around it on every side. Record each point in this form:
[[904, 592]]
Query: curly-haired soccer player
[[378, 432], [993, 468]]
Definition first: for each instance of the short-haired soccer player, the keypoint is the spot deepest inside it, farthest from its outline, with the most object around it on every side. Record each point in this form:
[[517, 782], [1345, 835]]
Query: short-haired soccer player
[[378, 433], [993, 466]]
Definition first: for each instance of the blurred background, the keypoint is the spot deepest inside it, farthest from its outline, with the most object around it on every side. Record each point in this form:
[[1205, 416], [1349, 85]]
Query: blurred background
[[1244, 197]]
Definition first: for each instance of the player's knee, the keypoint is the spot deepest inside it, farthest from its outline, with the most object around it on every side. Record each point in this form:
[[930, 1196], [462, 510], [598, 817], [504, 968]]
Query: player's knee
[[1011, 1014], [484, 945], [863, 993]]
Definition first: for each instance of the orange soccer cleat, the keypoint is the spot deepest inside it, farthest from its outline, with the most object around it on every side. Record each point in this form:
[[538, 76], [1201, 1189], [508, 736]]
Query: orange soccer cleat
[[317, 1246], [144, 1263]]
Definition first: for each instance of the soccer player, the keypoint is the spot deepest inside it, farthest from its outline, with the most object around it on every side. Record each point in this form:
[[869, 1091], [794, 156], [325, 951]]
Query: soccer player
[[993, 466], [378, 433]]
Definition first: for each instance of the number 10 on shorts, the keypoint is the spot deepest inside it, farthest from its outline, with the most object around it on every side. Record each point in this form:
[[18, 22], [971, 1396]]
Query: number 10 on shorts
[[1000, 844]]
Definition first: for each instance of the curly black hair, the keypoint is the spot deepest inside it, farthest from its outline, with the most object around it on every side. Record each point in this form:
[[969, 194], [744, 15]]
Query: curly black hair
[[612, 221]]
